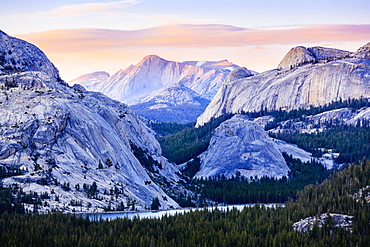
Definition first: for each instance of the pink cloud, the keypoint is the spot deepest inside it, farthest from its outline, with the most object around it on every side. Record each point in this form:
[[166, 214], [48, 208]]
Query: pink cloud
[[207, 36], [80, 51]]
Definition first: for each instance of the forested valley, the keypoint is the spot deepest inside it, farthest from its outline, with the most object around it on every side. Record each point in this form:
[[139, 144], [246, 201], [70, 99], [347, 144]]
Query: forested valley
[[308, 190], [184, 144], [253, 226]]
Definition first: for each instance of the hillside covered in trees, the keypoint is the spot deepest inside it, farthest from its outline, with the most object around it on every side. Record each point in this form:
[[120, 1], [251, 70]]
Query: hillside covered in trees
[[253, 226], [308, 190], [183, 143]]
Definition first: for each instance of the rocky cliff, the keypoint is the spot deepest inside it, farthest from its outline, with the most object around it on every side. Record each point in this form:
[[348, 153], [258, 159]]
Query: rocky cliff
[[240, 146], [83, 149], [300, 55], [306, 76]]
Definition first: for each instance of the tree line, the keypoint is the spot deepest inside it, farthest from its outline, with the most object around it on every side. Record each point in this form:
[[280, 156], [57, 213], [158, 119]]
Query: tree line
[[240, 190], [351, 142], [253, 226]]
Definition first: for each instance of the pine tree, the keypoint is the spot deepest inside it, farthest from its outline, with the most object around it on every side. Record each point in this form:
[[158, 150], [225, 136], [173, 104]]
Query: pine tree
[[155, 204]]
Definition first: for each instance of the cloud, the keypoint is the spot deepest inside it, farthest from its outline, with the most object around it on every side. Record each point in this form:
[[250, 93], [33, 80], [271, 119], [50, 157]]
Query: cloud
[[90, 8], [80, 51], [205, 36]]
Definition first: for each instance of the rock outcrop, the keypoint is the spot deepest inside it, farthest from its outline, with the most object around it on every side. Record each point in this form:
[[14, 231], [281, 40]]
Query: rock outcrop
[[363, 52], [334, 75], [300, 55], [237, 74], [19, 56], [332, 220], [239, 146], [63, 140]]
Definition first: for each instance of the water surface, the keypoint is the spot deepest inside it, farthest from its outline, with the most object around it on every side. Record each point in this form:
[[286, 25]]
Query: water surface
[[160, 214]]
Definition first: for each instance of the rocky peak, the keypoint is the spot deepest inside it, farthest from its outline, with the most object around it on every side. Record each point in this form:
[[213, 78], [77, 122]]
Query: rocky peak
[[101, 74], [237, 74], [20, 56], [91, 79], [363, 52], [151, 60], [295, 57], [324, 53], [300, 55]]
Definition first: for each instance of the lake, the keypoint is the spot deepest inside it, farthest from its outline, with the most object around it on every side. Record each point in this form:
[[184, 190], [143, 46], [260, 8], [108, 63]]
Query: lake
[[160, 214]]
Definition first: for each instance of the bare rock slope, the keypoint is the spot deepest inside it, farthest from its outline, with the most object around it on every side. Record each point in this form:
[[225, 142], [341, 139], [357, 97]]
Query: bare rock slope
[[306, 76], [84, 150], [240, 146]]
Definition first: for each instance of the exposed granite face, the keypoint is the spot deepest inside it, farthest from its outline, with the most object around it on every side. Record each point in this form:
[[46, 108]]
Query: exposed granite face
[[363, 52], [237, 74], [324, 53], [300, 55], [58, 135], [310, 84], [335, 220], [296, 56], [241, 146], [17, 55]]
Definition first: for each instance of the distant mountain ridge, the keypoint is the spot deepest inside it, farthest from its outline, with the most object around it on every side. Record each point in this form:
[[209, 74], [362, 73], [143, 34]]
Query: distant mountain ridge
[[175, 104], [147, 82]]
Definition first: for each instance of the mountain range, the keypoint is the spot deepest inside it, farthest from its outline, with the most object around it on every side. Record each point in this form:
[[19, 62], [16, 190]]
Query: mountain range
[[83, 151]]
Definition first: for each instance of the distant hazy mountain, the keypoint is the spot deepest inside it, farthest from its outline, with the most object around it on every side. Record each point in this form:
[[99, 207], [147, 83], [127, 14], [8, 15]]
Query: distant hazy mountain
[[175, 104], [92, 80], [149, 83]]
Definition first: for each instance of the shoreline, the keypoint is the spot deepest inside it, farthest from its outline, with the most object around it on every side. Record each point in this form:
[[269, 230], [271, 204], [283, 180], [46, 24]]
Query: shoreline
[[111, 215]]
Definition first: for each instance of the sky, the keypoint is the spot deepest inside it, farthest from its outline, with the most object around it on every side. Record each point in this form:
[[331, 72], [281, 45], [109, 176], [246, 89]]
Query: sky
[[81, 37]]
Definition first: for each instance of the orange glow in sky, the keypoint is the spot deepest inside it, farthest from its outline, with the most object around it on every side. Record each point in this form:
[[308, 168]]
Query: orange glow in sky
[[84, 36], [79, 51]]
